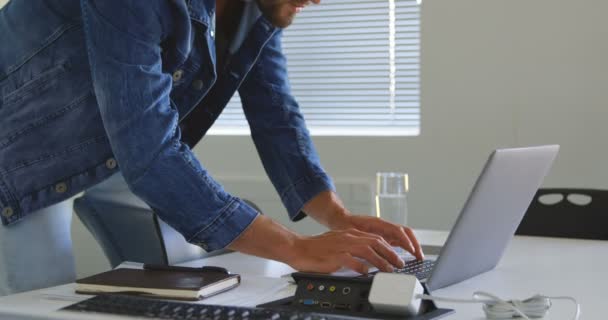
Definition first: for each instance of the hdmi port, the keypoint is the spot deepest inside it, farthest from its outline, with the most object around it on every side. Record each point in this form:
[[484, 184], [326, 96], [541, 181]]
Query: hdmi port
[[325, 305], [342, 306]]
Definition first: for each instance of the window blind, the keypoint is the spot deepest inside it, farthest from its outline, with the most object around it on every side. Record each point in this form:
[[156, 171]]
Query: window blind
[[354, 68]]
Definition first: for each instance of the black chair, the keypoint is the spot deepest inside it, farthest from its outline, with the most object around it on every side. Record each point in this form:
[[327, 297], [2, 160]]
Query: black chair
[[567, 213], [129, 233]]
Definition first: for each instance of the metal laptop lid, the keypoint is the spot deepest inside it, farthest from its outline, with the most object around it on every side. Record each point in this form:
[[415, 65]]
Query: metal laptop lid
[[491, 214]]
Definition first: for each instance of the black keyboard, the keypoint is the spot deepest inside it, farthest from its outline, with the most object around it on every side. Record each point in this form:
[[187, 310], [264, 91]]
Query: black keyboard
[[161, 309], [421, 269]]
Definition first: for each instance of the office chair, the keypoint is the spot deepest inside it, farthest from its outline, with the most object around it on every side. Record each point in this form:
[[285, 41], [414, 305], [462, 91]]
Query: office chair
[[130, 233], [558, 213]]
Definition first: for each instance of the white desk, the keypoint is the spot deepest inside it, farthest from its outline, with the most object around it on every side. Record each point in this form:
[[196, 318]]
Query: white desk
[[577, 268]]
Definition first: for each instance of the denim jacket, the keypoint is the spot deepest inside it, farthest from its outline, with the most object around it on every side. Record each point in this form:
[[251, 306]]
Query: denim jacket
[[88, 87]]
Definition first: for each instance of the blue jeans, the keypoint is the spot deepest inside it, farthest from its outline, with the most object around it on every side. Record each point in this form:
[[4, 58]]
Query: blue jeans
[[37, 252]]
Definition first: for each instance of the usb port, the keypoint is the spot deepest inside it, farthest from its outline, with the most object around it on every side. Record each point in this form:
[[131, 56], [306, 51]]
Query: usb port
[[342, 306], [325, 304]]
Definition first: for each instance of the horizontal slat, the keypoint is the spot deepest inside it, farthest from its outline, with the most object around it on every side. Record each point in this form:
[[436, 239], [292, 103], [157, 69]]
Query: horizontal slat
[[323, 89], [407, 60], [411, 122], [347, 77], [380, 45], [339, 117], [408, 63], [346, 25], [319, 72], [357, 60], [335, 44], [335, 106], [336, 124], [295, 81], [349, 2], [338, 68], [373, 94], [323, 99], [351, 13], [358, 117], [311, 87], [405, 22], [238, 113], [344, 54], [322, 31], [399, 9], [406, 54], [344, 109], [321, 38]]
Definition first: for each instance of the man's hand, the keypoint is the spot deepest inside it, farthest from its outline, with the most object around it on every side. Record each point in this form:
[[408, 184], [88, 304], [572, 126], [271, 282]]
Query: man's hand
[[327, 208], [394, 234], [353, 240], [333, 250], [327, 252]]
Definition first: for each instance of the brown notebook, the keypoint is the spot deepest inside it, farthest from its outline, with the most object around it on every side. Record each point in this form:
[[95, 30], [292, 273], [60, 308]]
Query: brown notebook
[[170, 284]]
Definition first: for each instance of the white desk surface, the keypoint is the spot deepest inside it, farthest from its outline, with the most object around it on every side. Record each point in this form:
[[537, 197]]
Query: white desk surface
[[548, 266]]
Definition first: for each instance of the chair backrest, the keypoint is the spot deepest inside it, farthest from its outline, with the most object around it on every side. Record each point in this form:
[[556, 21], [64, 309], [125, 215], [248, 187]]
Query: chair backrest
[[132, 233], [174, 246], [124, 233], [567, 213]]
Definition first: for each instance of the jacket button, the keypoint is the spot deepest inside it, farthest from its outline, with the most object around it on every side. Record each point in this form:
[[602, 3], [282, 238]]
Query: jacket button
[[177, 75], [7, 212], [61, 187], [197, 84], [111, 163]]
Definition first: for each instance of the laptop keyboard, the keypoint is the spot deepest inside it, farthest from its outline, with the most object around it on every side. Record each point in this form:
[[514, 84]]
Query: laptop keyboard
[[421, 269]]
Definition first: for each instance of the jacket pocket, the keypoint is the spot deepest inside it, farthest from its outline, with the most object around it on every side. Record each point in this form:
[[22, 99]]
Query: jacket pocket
[[42, 82]]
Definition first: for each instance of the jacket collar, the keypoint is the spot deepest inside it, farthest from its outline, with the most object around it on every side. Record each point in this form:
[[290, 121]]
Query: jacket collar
[[202, 11]]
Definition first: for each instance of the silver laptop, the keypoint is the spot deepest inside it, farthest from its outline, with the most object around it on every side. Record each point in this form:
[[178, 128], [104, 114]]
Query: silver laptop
[[490, 216]]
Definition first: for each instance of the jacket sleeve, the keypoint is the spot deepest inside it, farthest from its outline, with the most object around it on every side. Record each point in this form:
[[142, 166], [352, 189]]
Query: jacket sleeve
[[123, 42], [279, 131]]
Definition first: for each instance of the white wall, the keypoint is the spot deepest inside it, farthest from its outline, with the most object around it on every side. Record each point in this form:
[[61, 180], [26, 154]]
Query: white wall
[[495, 73]]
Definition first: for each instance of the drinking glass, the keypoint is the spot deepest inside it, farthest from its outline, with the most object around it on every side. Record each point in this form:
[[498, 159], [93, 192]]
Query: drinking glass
[[391, 192]]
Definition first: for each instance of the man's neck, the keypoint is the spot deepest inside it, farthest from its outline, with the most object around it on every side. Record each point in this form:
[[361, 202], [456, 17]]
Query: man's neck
[[227, 14], [227, 17]]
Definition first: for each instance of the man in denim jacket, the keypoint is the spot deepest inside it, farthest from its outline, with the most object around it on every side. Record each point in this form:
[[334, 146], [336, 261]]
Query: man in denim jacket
[[93, 86]]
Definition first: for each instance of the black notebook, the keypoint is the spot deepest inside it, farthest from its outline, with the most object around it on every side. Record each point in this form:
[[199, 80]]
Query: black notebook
[[193, 284]]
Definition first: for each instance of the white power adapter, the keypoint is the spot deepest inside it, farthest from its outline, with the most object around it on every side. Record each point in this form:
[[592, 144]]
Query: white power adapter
[[396, 293]]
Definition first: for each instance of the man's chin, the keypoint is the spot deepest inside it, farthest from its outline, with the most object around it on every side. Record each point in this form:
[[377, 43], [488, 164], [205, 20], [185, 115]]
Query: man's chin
[[280, 13], [281, 22]]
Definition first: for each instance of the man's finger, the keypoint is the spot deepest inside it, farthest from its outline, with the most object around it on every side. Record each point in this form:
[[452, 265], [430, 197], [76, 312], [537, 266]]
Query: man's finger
[[417, 248], [385, 250], [372, 257], [405, 242], [348, 261], [382, 247]]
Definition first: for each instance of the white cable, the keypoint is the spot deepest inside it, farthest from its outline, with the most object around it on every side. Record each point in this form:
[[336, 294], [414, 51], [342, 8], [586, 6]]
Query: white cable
[[496, 308]]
